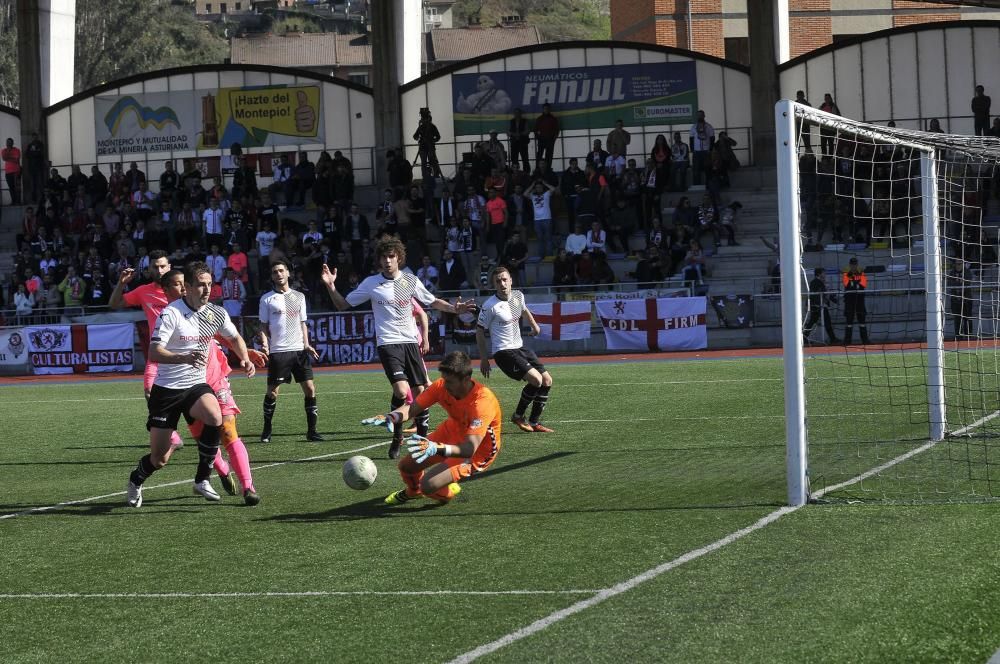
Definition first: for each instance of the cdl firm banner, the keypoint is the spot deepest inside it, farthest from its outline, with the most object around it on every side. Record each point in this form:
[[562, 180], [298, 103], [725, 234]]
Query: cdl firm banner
[[216, 118], [581, 97], [65, 349]]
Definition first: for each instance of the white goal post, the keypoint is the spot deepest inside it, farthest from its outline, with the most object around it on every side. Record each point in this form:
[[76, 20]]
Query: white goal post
[[791, 120]]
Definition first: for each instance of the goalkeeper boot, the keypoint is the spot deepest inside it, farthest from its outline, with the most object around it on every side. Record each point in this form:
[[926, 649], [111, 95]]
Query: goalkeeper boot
[[229, 483], [538, 427], [521, 423], [848, 334], [864, 335], [398, 497]]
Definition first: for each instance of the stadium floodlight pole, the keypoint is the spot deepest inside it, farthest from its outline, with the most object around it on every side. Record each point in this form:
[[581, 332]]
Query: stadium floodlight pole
[[790, 257], [935, 295]]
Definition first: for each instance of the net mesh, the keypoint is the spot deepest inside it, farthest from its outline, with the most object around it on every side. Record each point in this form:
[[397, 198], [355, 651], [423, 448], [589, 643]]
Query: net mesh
[[868, 346]]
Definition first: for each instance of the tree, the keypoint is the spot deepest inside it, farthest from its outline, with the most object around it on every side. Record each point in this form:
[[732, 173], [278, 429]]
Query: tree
[[556, 20], [119, 38]]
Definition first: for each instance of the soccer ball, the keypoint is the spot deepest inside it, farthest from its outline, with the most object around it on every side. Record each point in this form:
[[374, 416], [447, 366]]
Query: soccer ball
[[360, 472]]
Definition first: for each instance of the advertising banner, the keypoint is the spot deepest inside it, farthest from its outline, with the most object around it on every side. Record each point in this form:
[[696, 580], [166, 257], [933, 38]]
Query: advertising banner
[[13, 347], [66, 349], [343, 338], [206, 119], [676, 323], [562, 321], [657, 93]]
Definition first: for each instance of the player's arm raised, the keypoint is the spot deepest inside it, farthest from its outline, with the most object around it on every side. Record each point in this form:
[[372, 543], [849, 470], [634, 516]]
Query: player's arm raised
[[116, 301], [329, 280]]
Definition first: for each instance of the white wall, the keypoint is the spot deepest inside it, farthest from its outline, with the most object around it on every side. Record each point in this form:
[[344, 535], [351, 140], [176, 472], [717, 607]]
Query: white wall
[[910, 77], [348, 117], [723, 93]]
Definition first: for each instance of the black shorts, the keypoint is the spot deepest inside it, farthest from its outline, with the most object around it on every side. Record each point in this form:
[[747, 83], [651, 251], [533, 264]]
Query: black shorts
[[282, 367], [166, 405], [403, 362], [516, 363]]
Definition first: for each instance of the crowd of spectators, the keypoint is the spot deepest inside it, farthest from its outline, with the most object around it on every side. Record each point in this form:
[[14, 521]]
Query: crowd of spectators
[[81, 230]]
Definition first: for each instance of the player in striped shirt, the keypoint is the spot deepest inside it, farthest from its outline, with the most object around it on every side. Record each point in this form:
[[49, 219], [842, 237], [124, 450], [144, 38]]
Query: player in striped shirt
[[180, 343], [392, 293], [151, 299], [501, 316]]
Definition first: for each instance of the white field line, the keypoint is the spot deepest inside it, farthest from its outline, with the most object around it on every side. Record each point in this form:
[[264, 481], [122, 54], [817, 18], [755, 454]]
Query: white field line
[[292, 594], [617, 589], [650, 574], [49, 508], [903, 457]]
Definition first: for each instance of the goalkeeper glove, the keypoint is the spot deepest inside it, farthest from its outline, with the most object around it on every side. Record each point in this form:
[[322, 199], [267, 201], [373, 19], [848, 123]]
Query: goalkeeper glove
[[422, 449], [258, 358], [389, 420]]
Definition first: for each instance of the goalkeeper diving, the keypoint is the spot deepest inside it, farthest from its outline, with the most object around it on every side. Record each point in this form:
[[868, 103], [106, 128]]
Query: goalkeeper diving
[[465, 444]]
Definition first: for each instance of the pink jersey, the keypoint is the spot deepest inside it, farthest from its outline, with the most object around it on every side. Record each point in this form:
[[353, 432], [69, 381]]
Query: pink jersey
[[150, 298], [217, 368], [417, 310]]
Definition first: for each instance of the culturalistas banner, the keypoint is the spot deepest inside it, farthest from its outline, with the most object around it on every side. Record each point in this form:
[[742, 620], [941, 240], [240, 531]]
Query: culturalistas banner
[[581, 97], [65, 349], [676, 323], [200, 119]]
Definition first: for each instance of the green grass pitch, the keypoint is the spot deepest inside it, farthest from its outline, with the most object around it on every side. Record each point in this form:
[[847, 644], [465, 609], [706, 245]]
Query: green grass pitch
[[650, 460]]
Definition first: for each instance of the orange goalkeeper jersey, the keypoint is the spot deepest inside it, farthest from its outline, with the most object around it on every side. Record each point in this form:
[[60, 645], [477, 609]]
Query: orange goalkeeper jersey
[[475, 414]]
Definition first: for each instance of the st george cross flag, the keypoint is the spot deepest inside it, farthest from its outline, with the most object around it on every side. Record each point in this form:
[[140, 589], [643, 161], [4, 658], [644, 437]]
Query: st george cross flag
[[562, 321], [673, 323]]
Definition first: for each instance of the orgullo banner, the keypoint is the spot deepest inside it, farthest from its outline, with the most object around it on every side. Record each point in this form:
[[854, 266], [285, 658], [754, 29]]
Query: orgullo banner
[[13, 347], [659, 93], [200, 119], [343, 338], [66, 349]]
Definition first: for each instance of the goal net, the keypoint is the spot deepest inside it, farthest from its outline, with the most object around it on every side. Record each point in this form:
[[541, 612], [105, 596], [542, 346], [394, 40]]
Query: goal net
[[890, 288]]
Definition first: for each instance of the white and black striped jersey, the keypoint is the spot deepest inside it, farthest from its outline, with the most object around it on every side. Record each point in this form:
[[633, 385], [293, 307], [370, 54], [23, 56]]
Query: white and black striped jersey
[[179, 329], [502, 319], [392, 305], [284, 314]]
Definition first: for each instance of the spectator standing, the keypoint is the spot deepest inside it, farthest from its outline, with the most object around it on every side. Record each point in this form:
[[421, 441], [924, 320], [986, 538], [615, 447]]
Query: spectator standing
[[619, 139], [24, 304], [216, 263], [517, 131], [802, 127], [265, 239], [428, 274], [427, 137], [702, 141], [819, 302], [11, 157], [400, 170], [597, 155], [981, 111], [239, 263], [495, 149], [496, 211], [213, 226], [574, 180], [679, 163], [134, 177], [303, 178], [451, 274], [546, 132], [826, 134], [855, 285], [541, 203], [234, 294], [282, 180], [34, 167]]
